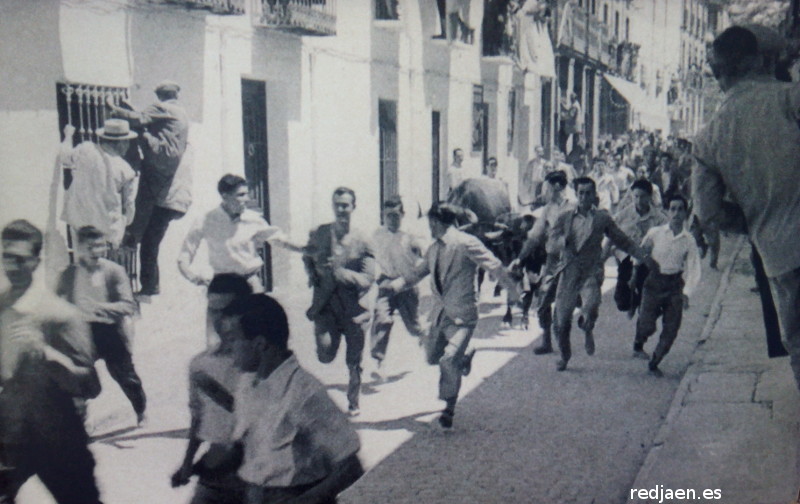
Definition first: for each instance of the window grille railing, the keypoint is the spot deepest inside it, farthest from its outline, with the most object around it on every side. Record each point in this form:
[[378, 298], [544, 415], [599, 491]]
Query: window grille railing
[[313, 17]]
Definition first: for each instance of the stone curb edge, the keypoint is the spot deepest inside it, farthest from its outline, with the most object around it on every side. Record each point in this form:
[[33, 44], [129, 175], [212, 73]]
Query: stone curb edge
[[692, 371]]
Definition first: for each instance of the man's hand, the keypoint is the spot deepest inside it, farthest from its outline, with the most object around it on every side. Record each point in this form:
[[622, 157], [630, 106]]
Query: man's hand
[[181, 476], [199, 280], [392, 286], [685, 301], [69, 132]]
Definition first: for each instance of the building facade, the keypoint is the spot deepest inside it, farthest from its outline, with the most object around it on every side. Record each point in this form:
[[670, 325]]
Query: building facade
[[300, 96]]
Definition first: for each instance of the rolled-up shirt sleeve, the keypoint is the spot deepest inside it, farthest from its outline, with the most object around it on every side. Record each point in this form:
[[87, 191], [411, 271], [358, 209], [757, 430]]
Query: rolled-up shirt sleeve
[[692, 271]]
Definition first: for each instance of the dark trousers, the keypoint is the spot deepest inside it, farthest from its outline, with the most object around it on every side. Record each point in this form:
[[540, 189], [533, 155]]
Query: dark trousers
[[112, 346], [662, 296], [277, 495], [62, 462], [406, 303], [328, 331], [154, 232], [771, 325], [544, 310]]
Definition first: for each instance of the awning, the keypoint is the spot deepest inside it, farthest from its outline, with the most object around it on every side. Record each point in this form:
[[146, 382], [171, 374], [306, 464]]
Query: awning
[[650, 113], [535, 49]]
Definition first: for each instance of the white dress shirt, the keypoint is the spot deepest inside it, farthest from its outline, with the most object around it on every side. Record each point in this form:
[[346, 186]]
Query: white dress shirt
[[675, 254]]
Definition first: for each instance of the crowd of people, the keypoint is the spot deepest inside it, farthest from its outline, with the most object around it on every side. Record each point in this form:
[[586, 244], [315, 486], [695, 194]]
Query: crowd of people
[[273, 433]]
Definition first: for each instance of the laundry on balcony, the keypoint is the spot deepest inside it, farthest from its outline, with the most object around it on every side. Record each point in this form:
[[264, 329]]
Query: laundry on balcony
[[646, 111]]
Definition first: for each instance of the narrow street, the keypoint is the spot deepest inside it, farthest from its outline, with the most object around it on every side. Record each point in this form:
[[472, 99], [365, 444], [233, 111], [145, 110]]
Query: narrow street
[[523, 432]]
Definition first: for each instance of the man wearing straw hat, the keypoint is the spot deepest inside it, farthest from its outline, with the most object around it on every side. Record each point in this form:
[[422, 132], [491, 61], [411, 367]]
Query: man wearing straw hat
[[103, 189]]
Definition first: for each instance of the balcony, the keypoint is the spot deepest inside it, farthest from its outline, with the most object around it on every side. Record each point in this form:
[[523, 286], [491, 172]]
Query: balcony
[[588, 35], [627, 55], [306, 17], [215, 6]]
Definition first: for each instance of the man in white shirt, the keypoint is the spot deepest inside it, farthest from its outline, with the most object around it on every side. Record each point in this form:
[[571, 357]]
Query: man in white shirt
[[103, 189], [298, 446], [455, 174], [232, 232], [666, 292], [397, 253]]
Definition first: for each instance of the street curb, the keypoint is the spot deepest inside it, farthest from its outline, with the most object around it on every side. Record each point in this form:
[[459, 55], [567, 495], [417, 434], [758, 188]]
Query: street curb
[[692, 371]]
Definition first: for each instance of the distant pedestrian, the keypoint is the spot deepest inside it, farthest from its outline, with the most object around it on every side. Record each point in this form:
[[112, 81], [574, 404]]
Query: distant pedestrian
[[761, 177], [166, 184], [46, 363], [213, 381], [103, 188], [578, 235], [102, 291], [666, 291], [297, 445], [452, 261], [397, 254], [340, 263], [455, 174]]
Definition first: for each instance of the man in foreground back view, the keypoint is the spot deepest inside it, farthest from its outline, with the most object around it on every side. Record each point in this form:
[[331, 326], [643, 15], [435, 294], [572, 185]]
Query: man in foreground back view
[[751, 149]]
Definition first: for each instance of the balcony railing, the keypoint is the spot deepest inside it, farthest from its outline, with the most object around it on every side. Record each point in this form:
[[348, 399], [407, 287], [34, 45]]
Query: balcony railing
[[310, 17], [215, 6], [590, 36]]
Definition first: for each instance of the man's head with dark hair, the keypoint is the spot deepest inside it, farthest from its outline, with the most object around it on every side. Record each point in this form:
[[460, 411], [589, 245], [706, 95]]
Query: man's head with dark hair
[[235, 194], [642, 185], [393, 213], [22, 244], [446, 213], [642, 191], [87, 233], [222, 291], [491, 167], [230, 283], [556, 177], [264, 329], [344, 202], [229, 183], [442, 216], [586, 191], [458, 156], [678, 197], [734, 55], [92, 246], [342, 190], [678, 210]]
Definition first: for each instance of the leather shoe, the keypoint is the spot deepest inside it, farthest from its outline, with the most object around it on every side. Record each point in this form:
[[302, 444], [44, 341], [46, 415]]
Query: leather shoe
[[466, 363], [640, 354], [446, 420], [561, 365], [653, 367], [543, 349]]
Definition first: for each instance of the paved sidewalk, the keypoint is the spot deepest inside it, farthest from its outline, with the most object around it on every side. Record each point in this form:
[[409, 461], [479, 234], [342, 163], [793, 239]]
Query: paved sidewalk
[[733, 424]]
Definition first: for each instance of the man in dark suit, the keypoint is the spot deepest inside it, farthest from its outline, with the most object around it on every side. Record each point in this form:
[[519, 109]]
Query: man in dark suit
[[165, 185], [452, 261], [340, 263], [579, 235]]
